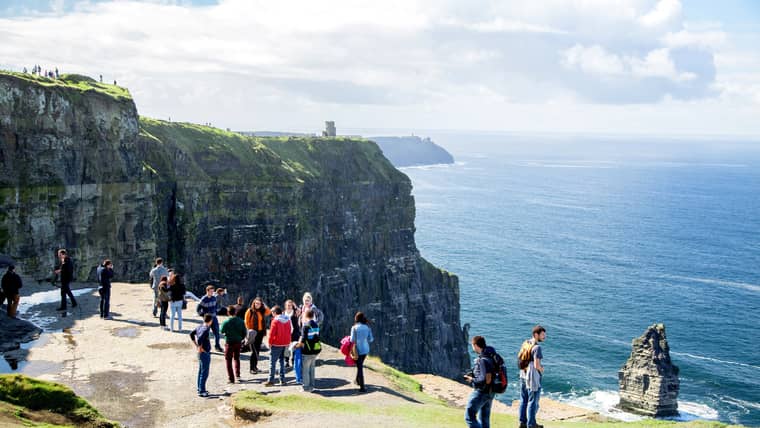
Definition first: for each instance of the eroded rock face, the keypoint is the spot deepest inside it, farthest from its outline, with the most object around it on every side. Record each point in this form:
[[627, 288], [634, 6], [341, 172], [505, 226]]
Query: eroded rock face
[[272, 218], [649, 380]]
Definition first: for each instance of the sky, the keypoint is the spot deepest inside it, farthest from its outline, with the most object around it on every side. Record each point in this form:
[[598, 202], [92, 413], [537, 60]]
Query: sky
[[655, 67]]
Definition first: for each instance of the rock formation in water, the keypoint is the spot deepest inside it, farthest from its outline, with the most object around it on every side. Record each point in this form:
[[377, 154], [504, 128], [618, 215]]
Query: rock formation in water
[[262, 216], [649, 380], [410, 151]]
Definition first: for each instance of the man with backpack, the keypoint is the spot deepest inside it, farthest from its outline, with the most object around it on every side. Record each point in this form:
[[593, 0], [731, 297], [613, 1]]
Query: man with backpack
[[478, 411], [531, 371]]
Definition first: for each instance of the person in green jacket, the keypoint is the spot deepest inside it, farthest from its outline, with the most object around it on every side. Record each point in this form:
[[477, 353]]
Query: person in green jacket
[[234, 331]]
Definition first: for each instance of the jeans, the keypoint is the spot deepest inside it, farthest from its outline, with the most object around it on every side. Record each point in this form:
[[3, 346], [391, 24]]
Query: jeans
[[298, 364], [360, 371], [105, 301], [204, 362], [528, 404], [308, 371], [232, 353], [176, 309], [277, 353], [155, 299], [162, 315], [215, 330], [256, 348], [477, 414], [66, 291]]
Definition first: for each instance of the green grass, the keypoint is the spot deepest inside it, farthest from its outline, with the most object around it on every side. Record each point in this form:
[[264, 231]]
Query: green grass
[[37, 395], [77, 82], [402, 380]]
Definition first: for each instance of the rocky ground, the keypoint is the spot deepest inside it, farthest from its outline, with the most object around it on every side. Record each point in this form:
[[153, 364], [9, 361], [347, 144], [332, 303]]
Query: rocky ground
[[136, 373]]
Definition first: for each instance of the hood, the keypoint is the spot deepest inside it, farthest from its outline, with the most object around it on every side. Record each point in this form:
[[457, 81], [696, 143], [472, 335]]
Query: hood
[[282, 318]]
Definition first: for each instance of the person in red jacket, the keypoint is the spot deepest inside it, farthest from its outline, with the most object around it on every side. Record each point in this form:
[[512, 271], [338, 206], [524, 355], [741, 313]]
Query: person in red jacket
[[279, 339]]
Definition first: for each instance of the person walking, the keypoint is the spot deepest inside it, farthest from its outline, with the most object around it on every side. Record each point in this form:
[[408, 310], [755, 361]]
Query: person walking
[[104, 274], [255, 322], [234, 332], [207, 305], [478, 411], [309, 345], [361, 336], [531, 374], [164, 297], [177, 295], [279, 339], [66, 272], [11, 284], [200, 336], [155, 275]]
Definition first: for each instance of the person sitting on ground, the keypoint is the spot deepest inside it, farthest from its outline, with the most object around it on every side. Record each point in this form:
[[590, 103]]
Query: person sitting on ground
[[279, 339], [11, 284], [234, 332], [200, 336], [208, 305]]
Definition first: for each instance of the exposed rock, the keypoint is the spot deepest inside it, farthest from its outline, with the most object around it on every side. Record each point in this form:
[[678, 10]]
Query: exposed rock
[[263, 216], [649, 380]]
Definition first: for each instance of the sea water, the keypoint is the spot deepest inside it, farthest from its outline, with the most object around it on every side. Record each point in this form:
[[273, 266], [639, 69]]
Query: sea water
[[598, 250]]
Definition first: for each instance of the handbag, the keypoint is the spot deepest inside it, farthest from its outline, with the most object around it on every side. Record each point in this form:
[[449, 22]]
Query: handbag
[[354, 354]]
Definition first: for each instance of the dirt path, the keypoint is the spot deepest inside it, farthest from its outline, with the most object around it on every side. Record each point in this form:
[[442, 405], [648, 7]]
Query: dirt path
[[141, 375]]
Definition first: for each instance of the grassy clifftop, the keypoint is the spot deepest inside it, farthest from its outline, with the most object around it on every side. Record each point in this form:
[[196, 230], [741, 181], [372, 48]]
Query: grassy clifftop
[[76, 82]]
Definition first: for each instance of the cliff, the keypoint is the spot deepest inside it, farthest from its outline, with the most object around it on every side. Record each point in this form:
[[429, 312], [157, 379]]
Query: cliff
[[262, 216], [412, 150]]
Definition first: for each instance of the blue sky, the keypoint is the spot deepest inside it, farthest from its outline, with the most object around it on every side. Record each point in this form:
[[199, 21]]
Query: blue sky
[[597, 66]]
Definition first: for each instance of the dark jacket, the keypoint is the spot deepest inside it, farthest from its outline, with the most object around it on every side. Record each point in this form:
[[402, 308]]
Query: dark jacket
[[483, 366], [11, 283], [296, 334], [200, 336], [177, 291], [67, 270], [104, 277]]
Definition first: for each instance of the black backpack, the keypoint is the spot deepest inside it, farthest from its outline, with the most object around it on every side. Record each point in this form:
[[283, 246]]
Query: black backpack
[[311, 343], [499, 379]]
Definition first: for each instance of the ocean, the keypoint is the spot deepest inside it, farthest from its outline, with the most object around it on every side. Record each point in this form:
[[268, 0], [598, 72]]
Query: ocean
[[598, 248]]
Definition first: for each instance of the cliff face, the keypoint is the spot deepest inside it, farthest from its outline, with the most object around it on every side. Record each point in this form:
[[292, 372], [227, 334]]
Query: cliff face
[[261, 216], [412, 150]]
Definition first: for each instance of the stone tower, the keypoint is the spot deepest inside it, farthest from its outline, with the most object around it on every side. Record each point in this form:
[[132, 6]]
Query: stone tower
[[649, 381], [330, 130]]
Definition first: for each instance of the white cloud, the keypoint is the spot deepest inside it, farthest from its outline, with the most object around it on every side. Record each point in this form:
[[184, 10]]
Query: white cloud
[[596, 60], [664, 12], [710, 40]]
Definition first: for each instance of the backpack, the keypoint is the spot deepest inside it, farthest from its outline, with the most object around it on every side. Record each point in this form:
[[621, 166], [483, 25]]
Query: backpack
[[524, 355], [499, 379], [311, 343]]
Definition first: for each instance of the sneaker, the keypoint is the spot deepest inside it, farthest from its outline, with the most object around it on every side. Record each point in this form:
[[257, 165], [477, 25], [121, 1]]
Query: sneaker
[[231, 381], [203, 394], [281, 383], [268, 383]]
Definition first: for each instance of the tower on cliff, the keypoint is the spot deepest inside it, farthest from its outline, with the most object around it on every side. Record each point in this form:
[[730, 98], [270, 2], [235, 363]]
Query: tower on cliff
[[330, 130]]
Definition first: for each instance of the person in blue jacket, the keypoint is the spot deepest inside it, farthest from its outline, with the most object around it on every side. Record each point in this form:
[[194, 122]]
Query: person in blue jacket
[[361, 335]]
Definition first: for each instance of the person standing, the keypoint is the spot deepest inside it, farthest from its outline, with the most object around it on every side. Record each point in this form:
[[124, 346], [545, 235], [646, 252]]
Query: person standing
[[66, 272], [207, 305], [308, 303], [200, 336], [478, 411], [11, 284], [255, 322], [177, 295], [530, 378], [105, 274], [221, 301], [361, 335], [234, 332], [239, 308], [155, 275], [164, 297], [279, 339], [309, 345], [292, 311]]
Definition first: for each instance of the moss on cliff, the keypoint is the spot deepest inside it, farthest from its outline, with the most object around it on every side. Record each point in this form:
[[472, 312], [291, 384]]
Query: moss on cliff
[[76, 82]]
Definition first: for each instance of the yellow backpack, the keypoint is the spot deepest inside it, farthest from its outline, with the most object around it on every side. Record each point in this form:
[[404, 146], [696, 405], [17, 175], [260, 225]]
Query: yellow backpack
[[525, 355]]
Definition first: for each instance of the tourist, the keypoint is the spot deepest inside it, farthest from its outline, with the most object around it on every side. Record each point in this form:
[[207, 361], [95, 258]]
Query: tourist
[[239, 308], [104, 274], [279, 339], [308, 303], [208, 305], [177, 295], [200, 337], [309, 345], [361, 336], [155, 275], [477, 414], [221, 301], [293, 313], [234, 332], [530, 378], [255, 322], [11, 284], [66, 271], [164, 297]]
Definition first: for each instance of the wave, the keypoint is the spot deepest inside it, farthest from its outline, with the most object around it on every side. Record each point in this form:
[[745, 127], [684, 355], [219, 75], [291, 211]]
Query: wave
[[711, 281], [545, 203], [714, 360], [433, 166], [605, 403]]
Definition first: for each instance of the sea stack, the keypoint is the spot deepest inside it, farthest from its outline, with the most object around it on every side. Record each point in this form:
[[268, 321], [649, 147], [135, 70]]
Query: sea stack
[[649, 381]]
